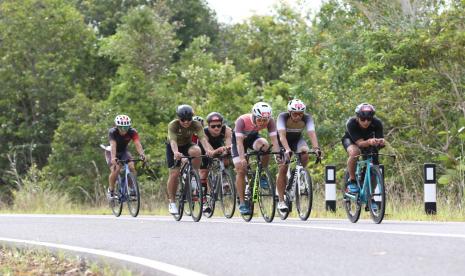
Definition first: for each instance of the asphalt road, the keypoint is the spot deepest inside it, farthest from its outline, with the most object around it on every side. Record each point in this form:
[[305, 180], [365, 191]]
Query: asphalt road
[[219, 246]]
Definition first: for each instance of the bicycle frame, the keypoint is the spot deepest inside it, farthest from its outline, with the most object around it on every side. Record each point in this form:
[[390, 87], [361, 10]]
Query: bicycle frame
[[123, 180], [365, 187]]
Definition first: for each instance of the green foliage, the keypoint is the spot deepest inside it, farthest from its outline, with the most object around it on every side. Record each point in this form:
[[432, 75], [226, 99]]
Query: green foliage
[[60, 83], [44, 45]]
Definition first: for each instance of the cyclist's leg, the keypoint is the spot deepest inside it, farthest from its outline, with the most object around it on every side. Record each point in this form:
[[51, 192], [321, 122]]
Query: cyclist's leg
[[240, 172], [352, 150], [281, 180], [195, 151], [259, 143], [114, 170], [173, 173]]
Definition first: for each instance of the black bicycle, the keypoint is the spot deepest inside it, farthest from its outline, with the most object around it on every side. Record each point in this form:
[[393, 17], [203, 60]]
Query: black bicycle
[[189, 191], [220, 187], [299, 188], [259, 187]]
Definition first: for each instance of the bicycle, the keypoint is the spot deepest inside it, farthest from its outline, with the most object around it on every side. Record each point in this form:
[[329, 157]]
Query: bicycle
[[189, 190], [259, 187], [221, 188], [298, 188], [127, 190], [371, 188]]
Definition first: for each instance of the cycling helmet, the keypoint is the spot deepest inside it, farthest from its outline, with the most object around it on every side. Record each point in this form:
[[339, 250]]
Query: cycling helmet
[[296, 105], [185, 111], [365, 110], [198, 119], [122, 120], [214, 116], [261, 110]]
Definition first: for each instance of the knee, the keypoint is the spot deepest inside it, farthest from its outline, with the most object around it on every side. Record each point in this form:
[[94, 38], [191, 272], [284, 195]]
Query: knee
[[195, 151]]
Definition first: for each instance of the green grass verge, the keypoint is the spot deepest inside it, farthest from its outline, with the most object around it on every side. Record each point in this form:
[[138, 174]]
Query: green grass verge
[[27, 261], [396, 210]]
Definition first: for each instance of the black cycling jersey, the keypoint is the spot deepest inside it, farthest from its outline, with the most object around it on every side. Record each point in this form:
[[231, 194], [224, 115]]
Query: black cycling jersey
[[217, 141], [122, 141], [354, 132]]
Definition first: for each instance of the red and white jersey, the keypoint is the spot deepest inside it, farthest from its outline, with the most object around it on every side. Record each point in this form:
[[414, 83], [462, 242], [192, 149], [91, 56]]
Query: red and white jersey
[[245, 126]]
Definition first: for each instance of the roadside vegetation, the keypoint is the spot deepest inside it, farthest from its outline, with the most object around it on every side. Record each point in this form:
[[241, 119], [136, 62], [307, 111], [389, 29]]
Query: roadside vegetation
[[67, 69], [25, 261]]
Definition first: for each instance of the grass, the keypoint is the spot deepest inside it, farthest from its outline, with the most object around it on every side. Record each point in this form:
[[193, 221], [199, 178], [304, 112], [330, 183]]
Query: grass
[[26, 261], [396, 210]]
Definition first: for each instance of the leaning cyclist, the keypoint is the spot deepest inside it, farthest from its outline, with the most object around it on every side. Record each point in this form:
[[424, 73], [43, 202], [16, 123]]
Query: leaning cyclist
[[219, 136], [245, 136], [362, 131], [180, 144], [120, 135], [290, 125]]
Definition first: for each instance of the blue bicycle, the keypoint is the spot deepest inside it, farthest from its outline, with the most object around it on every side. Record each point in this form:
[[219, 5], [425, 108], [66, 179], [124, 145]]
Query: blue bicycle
[[371, 193], [127, 190]]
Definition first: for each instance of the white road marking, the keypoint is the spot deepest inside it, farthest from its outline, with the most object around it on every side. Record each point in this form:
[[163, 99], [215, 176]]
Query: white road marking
[[171, 269]]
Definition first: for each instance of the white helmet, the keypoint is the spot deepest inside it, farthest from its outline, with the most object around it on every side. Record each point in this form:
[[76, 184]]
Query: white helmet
[[296, 105], [122, 120], [261, 110]]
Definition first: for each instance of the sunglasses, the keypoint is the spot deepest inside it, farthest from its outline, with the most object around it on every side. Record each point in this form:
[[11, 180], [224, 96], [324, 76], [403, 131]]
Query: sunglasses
[[364, 119], [185, 120], [123, 128], [215, 126], [297, 114]]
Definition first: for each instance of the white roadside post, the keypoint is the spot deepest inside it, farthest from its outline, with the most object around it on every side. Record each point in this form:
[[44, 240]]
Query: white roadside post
[[430, 188], [330, 188]]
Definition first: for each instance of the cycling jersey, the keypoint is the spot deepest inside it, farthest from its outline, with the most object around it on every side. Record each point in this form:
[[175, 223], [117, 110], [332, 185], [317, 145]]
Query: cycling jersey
[[294, 129], [122, 141], [182, 135], [217, 141], [245, 126], [355, 132]]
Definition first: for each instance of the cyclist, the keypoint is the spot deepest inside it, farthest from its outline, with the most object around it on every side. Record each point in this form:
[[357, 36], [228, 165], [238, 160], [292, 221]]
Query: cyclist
[[120, 135], [290, 125], [180, 144], [219, 137], [245, 136], [362, 131]]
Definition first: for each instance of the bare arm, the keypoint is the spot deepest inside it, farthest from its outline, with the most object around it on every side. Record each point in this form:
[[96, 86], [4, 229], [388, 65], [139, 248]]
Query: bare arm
[[283, 139], [113, 151], [313, 139]]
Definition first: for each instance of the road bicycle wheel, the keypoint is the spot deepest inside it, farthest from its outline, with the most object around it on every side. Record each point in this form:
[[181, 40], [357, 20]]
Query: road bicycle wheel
[[351, 205], [116, 204], [377, 201], [180, 198], [303, 194], [266, 198], [227, 194], [195, 195], [211, 193], [285, 214], [133, 195]]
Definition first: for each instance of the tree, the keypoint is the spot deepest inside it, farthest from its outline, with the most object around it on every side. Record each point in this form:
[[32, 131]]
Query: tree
[[43, 45]]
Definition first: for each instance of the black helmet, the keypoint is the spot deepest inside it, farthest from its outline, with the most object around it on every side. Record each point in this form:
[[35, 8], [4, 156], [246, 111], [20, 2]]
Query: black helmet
[[365, 110], [185, 111], [214, 116]]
